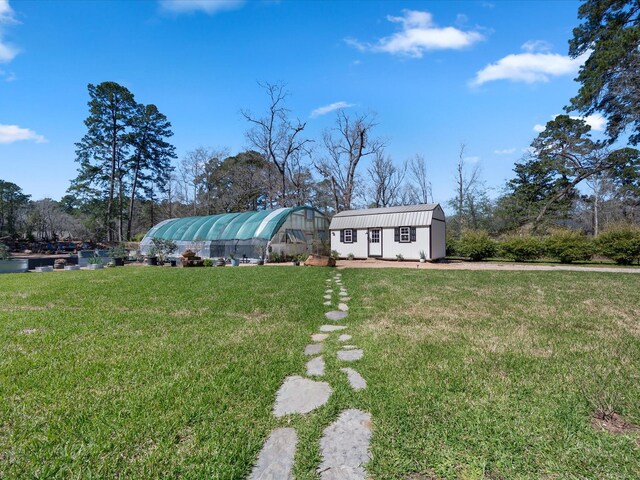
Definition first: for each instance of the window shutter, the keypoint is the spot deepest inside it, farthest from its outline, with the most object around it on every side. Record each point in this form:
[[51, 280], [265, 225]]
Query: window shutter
[[354, 236], [413, 234], [341, 236], [396, 234]]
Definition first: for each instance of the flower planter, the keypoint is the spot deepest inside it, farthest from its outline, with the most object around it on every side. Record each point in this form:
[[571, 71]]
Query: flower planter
[[152, 261], [14, 266], [95, 266], [118, 262], [235, 262], [71, 267], [48, 268]]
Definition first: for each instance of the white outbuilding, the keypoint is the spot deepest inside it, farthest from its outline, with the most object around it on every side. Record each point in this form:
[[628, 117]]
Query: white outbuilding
[[389, 232]]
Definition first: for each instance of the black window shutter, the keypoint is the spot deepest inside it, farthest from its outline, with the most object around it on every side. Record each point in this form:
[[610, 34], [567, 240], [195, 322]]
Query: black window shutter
[[341, 236], [354, 235], [396, 234], [413, 234]]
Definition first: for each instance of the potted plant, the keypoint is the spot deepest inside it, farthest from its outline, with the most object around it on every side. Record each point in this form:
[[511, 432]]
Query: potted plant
[[423, 256], [235, 262], [163, 248], [118, 253], [7, 265], [151, 257], [220, 262], [59, 263], [95, 263]]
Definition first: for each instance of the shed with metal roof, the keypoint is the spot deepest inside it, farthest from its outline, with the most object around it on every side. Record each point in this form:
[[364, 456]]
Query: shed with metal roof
[[409, 231], [286, 231]]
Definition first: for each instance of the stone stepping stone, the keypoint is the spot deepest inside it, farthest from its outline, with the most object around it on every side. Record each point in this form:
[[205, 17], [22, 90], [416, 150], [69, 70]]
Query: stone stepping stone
[[349, 347], [350, 355], [313, 349], [343, 294], [315, 367], [345, 299], [332, 328], [327, 297], [344, 447], [276, 457], [355, 379], [328, 290], [335, 315], [344, 337], [327, 303], [300, 395], [343, 307], [319, 337]]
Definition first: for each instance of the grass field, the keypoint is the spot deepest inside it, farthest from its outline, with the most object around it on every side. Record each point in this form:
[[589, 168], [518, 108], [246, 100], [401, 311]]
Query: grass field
[[151, 372]]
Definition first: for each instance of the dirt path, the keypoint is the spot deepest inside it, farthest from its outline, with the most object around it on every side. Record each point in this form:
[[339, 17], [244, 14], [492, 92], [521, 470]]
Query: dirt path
[[461, 265]]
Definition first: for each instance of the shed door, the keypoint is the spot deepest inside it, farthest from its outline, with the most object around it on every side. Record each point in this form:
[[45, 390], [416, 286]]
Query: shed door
[[375, 242]]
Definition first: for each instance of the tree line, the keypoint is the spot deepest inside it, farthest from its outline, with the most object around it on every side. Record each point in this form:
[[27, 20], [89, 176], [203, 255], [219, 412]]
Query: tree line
[[128, 177]]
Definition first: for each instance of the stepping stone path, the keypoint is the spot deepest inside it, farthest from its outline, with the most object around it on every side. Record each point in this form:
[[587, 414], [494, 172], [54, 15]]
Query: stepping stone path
[[345, 447], [300, 395], [350, 355], [355, 379], [276, 458], [313, 349], [335, 315], [345, 443], [315, 367]]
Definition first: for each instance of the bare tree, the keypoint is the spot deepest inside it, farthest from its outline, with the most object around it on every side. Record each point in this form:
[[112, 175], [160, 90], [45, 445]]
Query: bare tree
[[345, 145], [275, 136], [386, 180], [419, 189], [190, 171]]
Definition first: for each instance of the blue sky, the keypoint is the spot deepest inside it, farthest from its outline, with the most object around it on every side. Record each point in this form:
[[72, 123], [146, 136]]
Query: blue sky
[[436, 73]]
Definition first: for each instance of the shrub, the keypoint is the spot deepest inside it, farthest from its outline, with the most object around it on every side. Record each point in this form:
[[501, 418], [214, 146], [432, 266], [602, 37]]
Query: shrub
[[522, 248], [568, 246], [350, 256], [450, 247], [399, 257], [620, 243], [163, 248], [476, 245], [4, 252], [207, 262], [335, 254]]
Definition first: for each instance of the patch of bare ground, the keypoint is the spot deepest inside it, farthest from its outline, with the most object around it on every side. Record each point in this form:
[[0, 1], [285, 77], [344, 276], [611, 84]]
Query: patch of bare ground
[[614, 423], [422, 476]]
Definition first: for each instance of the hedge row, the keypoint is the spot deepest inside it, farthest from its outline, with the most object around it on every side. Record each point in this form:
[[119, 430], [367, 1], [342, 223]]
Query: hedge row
[[620, 244]]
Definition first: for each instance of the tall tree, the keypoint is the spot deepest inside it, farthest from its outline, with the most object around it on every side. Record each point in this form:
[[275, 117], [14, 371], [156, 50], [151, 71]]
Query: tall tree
[[345, 146], [610, 77], [419, 187], [13, 201], [149, 167], [566, 148], [386, 180], [103, 150], [275, 135]]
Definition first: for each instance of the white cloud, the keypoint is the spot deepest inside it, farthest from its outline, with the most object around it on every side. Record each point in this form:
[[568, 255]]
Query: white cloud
[[418, 35], [535, 65], [472, 159], [506, 151], [318, 112], [536, 46], [14, 133], [7, 17], [596, 121], [210, 7]]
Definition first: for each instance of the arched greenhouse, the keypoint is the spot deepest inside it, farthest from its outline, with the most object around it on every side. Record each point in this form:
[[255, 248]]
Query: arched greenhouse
[[285, 231]]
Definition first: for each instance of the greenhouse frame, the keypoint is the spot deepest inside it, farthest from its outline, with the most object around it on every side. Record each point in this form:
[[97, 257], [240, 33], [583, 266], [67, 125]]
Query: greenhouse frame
[[247, 235]]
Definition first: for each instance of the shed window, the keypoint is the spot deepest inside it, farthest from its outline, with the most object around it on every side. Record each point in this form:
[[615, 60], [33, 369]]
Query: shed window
[[405, 234], [348, 235]]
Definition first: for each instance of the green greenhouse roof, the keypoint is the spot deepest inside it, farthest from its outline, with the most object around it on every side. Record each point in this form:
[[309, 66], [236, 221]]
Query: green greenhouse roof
[[227, 226]]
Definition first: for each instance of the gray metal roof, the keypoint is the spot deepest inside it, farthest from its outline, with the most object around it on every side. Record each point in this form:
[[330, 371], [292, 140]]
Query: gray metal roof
[[402, 216]]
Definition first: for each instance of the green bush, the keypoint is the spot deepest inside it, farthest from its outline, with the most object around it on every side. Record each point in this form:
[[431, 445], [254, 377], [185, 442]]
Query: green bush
[[207, 262], [620, 243], [568, 246], [522, 248], [476, 245]]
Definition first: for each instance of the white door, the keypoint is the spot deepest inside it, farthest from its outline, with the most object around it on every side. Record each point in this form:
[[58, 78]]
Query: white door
[[375, 242]]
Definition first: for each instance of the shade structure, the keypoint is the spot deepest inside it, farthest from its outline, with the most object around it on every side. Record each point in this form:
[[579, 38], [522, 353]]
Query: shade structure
[[246, 234]]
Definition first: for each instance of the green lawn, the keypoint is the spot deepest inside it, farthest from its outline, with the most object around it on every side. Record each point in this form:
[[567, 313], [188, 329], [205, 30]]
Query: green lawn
[[152, 372]]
